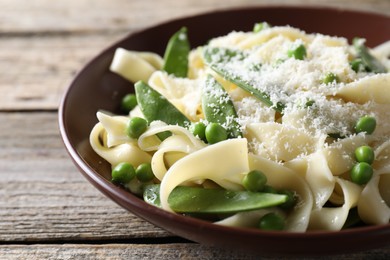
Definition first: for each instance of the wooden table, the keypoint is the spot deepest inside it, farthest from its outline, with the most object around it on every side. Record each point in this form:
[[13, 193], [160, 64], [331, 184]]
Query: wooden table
[[47, 209]]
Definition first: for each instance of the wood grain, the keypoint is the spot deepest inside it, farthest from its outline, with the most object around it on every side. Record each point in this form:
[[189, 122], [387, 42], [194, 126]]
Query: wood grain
[[163, 251], [35, 70], [47, 16], [44, 43], [45, 198]]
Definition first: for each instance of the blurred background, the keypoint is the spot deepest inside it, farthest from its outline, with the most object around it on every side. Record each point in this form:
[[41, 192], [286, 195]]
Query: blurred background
[[47, 41]]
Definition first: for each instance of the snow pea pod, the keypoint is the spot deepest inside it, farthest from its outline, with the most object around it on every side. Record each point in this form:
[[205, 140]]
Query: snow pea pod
[[184, 199], [176, 54], [262, 96], [215, 55], [369, 62], [155, 106], [216, 58], [218, 107]]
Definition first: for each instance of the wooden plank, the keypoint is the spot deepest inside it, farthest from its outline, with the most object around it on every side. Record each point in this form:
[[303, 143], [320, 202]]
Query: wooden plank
[[45, 198], [35, 71], [45, 42], [44, 16], [161, 251]]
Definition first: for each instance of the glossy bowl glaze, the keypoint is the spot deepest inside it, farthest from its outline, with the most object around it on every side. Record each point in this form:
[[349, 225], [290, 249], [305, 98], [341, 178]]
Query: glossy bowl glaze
[[95, 88]]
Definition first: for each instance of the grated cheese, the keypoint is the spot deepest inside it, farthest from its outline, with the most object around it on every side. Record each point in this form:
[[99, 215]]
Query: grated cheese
[[266, 66]]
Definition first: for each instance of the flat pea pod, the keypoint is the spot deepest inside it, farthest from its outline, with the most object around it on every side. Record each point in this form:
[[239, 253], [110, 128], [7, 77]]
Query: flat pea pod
[[258, 27], [176, 54], [263, 97], [184, 199], [367, 59], [213, 55], [297, 52], [155, 106], [218, 107], [216, 58]]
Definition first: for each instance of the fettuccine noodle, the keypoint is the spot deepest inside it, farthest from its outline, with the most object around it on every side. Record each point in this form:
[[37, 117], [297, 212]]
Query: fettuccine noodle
[[293, 149]]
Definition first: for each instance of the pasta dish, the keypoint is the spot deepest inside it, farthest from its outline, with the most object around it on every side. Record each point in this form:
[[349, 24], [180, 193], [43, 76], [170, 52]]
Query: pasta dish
[[274, 128]]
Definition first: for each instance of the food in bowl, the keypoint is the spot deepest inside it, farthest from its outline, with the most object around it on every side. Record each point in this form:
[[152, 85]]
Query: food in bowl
[[274, 129]]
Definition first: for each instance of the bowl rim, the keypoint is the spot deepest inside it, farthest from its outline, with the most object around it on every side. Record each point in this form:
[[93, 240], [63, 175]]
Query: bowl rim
[[125, 197]]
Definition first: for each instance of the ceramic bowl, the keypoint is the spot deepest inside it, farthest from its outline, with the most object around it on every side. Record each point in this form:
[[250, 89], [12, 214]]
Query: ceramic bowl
[[95, 88]]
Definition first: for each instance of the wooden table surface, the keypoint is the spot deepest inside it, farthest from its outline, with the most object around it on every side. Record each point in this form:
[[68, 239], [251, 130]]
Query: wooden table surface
[[47, 209]]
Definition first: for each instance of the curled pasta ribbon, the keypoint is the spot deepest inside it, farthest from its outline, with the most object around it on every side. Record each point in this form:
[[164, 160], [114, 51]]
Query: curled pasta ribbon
[[135, 66], [248, 218], [173, 148], [125, 152], [115, 127], [170, 151], [325, 218], [281, 177], [148, 141], [374, 202], [183, 93], [320, 178], [340, 155], [372, 208], [223, 163]]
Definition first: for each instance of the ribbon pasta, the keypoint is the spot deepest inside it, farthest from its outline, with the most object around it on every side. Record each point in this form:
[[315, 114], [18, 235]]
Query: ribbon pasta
[[295, 149]]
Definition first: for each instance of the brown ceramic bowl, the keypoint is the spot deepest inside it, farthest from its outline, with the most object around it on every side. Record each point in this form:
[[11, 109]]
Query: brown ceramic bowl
[[95, 87]]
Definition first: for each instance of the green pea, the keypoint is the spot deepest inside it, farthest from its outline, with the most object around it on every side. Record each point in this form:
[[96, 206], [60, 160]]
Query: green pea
[[215, 133], [123, 173], [291, 199], [370, 62], [199, 129], [365, 154], [261, 26], [144, 172], [254, 181], [330, 78], [366, 124], [361, 173], [272, 221], [136, 127], [128, 102], [298, 52]]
